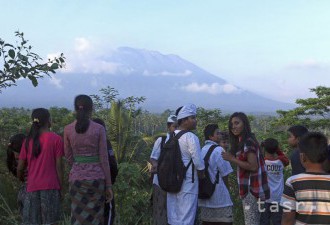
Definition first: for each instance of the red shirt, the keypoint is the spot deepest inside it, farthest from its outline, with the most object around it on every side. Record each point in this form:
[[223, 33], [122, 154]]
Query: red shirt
[[42, 173], [255, 182]]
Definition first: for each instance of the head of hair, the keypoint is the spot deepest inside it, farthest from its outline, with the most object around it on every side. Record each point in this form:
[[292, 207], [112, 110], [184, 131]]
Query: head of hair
[[315, 146], [209, 130], [83, 104], [298, 130], [15, 144], [224, 135], [40, 119], [235, 144], [101, 122], [270, 145]]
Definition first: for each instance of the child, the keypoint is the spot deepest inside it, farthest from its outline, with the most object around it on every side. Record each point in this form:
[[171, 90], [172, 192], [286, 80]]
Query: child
[[306, 195], [109, 209], [218, 209], [275, 161], [42, 151], [295, 133], [13, 150], [159, 198], [182, 206], [224, 140]]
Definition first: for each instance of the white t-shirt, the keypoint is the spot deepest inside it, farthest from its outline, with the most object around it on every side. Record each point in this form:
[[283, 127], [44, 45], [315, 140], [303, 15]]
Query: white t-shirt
[[274, 169], [221, 196]]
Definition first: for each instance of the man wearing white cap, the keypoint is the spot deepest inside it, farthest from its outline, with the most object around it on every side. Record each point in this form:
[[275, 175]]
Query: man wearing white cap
[[159, 213], [182, 206]]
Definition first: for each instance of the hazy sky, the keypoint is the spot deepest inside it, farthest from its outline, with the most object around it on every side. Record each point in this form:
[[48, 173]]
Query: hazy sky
[[276, 48]]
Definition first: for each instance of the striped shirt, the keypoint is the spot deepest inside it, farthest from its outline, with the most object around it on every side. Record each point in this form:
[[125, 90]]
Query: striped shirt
[[309, 195]]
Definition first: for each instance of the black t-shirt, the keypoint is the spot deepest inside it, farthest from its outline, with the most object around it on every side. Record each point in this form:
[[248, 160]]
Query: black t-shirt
[[296, 165]]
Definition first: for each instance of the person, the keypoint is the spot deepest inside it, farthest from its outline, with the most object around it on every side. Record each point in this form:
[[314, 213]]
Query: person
[[42, 152], [85, 148], [109, 209], [224, 140], [306, 195], [275, 161], [295, 133], [13, 150], [251, 174], [217, 210], [159, 198], [182, 206]]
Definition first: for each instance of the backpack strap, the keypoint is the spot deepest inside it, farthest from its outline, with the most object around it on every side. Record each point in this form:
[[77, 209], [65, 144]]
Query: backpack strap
[[178, 135], [162, 141], [206, 161]]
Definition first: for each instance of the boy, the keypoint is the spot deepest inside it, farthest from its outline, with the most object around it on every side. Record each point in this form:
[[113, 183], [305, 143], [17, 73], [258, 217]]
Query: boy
[[218, 209], [275, 161], [306, 196], [159, 211], [182, 206], [224, 140], [295, 133]]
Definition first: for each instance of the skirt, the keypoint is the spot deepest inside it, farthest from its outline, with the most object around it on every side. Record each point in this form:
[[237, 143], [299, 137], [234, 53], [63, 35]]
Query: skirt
[[42, 207], [87, 202], [223, 214], [159, 212]]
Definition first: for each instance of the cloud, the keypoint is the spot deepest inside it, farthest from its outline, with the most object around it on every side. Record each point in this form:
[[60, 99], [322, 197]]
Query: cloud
[[87, 59], [167, 73], [82, 45], [56, 82], [214, 88]]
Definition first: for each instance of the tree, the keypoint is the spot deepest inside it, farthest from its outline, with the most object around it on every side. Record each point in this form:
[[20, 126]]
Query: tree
[[20, 62], [311, 112]]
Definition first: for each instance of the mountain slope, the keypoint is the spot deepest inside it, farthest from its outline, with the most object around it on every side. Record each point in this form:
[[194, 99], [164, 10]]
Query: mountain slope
[[167, 81]]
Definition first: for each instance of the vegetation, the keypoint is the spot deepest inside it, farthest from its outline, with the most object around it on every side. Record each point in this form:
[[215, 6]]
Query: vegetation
[[20, 62], [132, 132]]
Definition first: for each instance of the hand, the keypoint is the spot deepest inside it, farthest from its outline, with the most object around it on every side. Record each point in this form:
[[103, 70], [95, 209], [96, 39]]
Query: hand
[[227, 156], [108, 195], [153, 169]]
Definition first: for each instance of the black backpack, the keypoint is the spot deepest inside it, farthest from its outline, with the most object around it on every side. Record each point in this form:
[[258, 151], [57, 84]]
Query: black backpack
[[206, 187], [171, 170]]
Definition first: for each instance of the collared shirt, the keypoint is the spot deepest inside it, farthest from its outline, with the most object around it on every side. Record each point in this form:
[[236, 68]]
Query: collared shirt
[[221, 196], [255, 182]]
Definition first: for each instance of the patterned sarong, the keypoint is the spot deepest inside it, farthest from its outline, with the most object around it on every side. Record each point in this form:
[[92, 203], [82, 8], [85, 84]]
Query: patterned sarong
[[159, 212], [87, 202]]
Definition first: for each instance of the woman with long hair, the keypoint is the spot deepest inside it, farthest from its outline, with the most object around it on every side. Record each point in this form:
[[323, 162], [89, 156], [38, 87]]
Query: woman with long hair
[[252, 177], [42, 152], [86, 152]]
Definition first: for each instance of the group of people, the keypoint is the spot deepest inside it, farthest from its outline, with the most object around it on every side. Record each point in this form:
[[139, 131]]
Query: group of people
[[303, 199], [36, 159]]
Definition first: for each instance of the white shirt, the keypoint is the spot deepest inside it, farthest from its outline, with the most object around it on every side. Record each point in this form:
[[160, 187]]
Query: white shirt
[[220, 197], [156, 153], [190, 149], [274, 169]]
